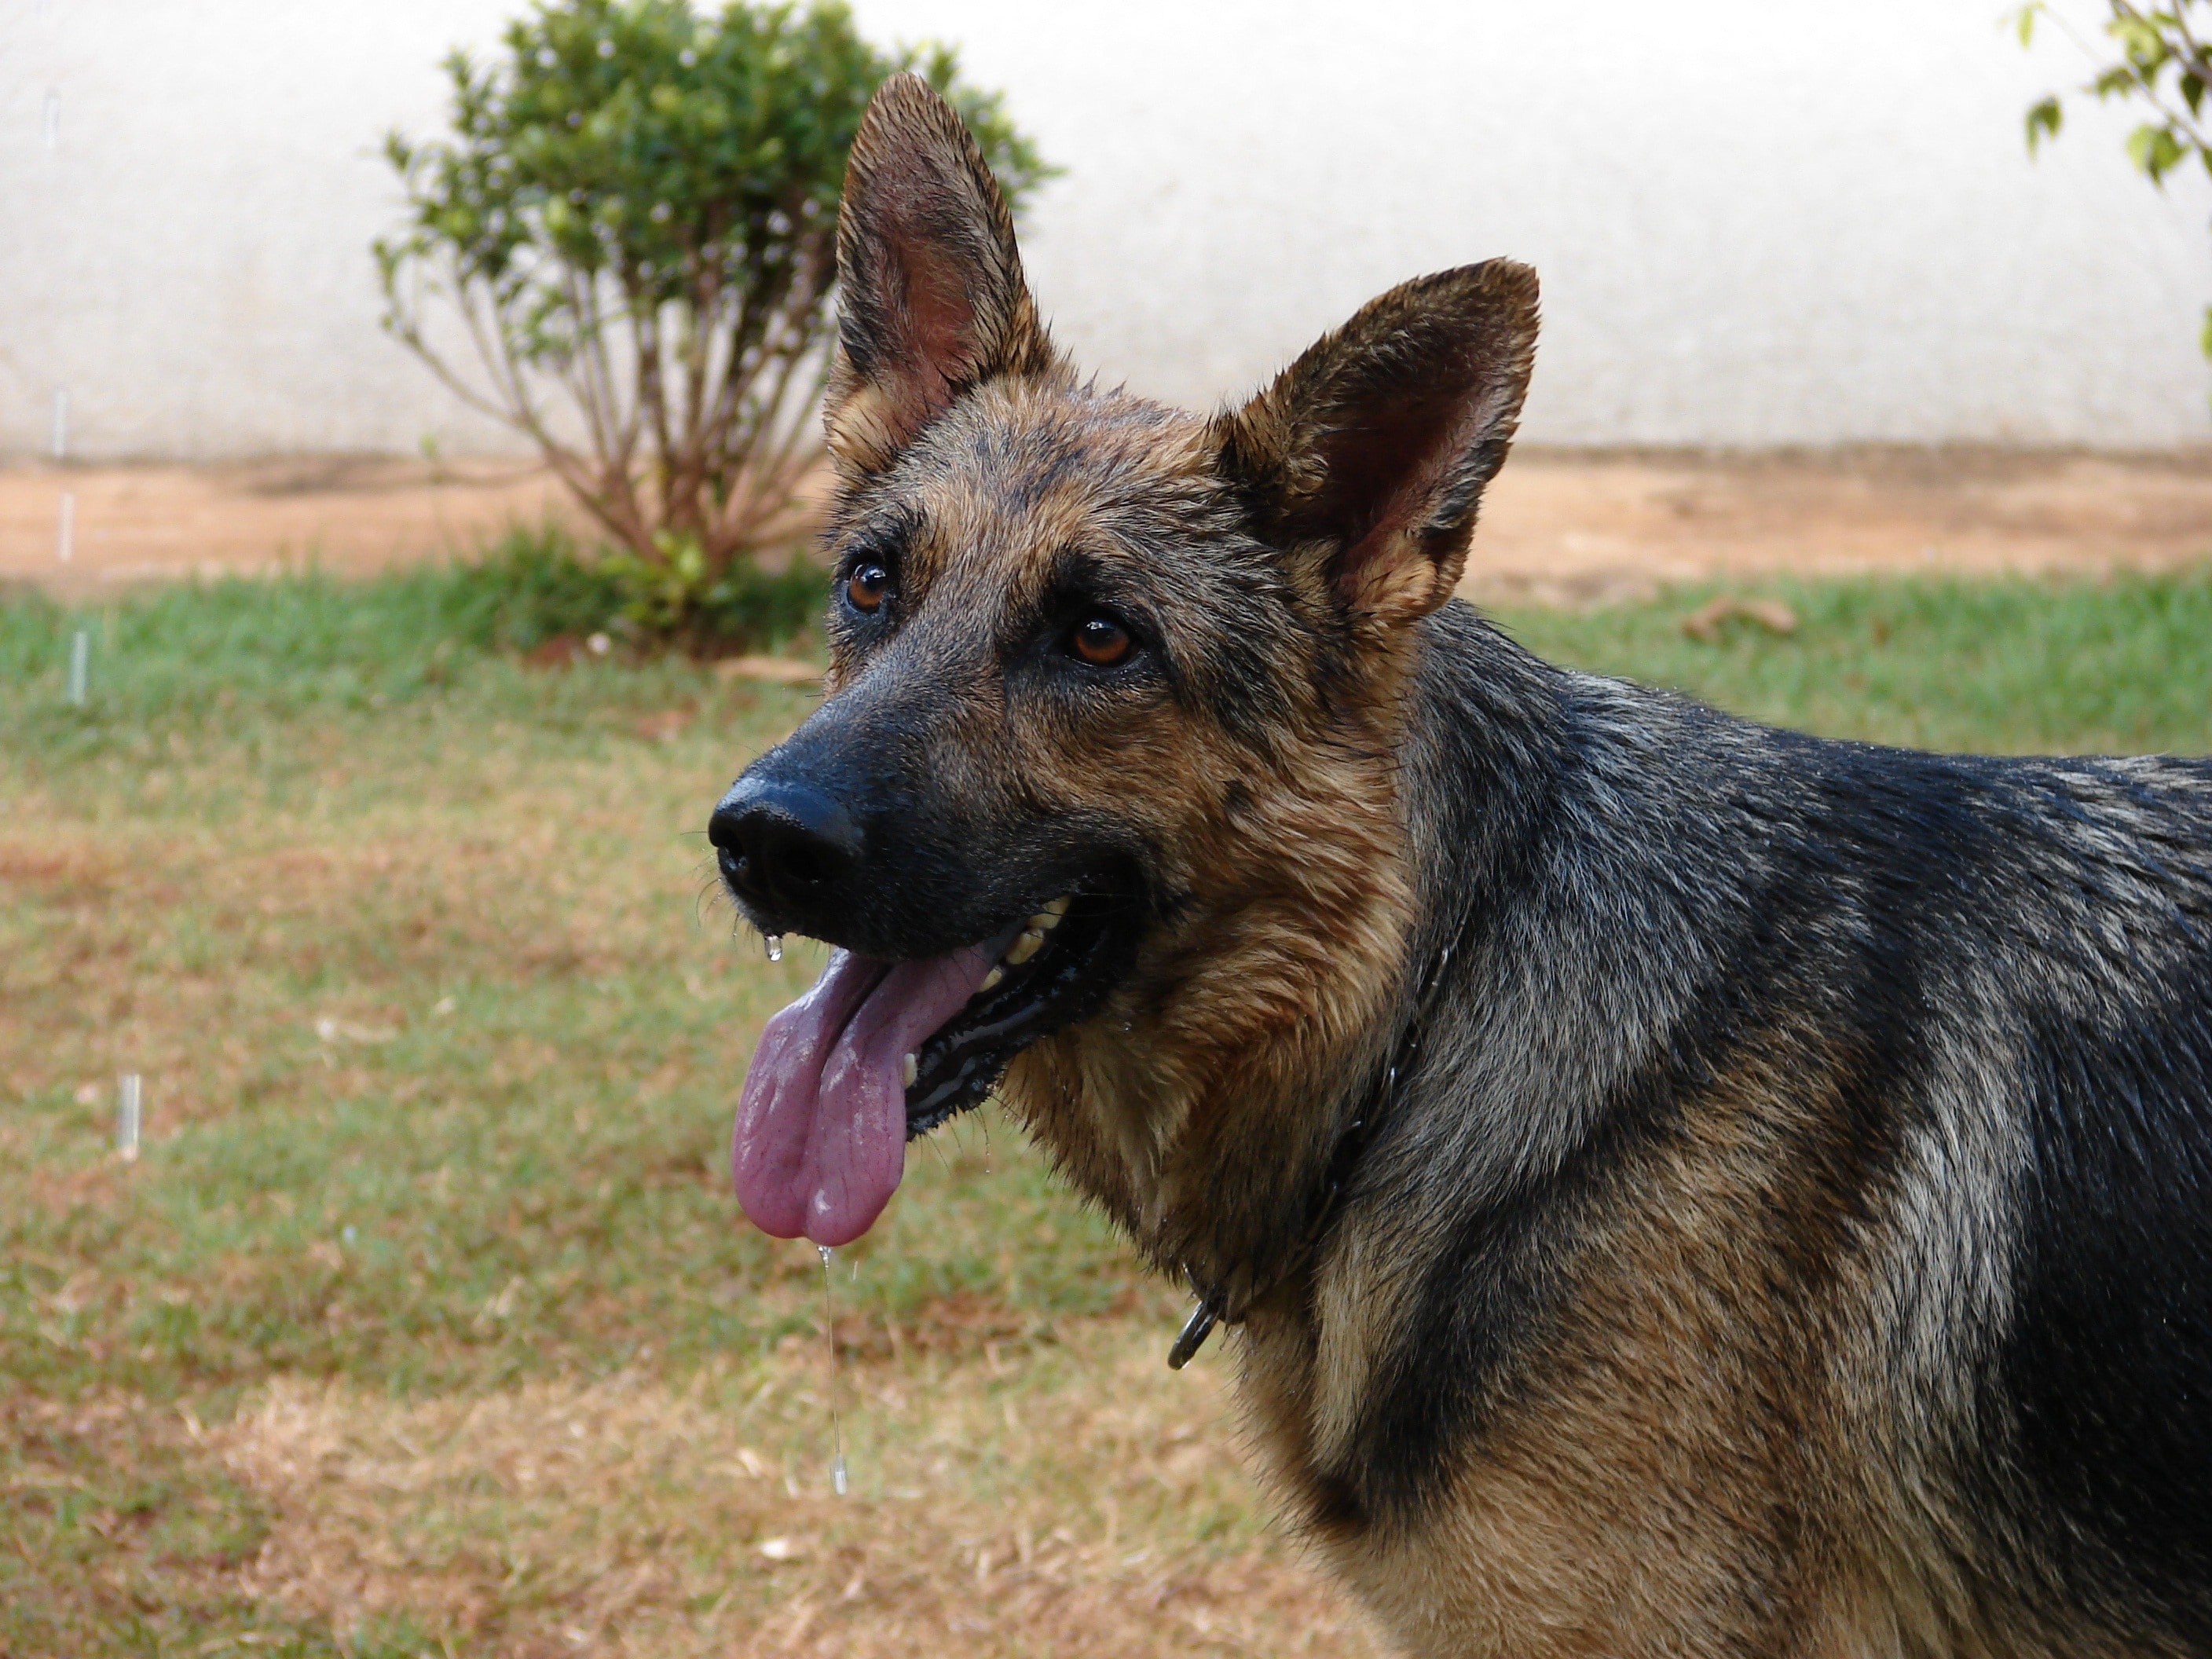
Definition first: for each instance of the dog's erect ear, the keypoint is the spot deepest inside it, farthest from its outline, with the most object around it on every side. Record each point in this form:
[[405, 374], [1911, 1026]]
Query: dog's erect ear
[[930, 299], [1370, 453]]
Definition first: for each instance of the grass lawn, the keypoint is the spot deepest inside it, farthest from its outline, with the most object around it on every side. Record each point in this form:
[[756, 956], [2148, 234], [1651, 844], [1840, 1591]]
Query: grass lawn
[[424, 1324]]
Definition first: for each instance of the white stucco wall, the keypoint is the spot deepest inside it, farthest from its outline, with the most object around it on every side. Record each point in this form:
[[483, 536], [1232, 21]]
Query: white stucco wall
[[1759, 221]]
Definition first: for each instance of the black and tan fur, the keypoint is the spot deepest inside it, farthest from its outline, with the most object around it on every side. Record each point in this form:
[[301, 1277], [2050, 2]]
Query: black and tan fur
[[1675, 1186]]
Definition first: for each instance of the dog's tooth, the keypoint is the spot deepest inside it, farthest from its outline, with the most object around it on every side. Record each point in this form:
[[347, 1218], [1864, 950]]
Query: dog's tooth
[[1044, 922], [1057, 908], [912, 1069], [991, 980], [1026, 946]]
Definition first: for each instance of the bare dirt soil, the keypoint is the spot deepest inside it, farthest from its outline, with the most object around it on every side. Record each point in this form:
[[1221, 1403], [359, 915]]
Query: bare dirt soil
[[350, 514], [1560, 526], [1567, 527]]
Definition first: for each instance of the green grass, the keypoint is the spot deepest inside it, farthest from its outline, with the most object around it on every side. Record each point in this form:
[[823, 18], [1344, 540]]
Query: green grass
[[416, 947], [2123, 666], [2014, 665], [190, 654]]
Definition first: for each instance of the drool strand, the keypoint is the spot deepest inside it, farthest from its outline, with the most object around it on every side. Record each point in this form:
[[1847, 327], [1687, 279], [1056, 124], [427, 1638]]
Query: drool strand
[[829, 1332]]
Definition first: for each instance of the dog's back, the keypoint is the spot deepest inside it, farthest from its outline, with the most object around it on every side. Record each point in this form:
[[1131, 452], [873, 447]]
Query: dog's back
[[1800, 1211]]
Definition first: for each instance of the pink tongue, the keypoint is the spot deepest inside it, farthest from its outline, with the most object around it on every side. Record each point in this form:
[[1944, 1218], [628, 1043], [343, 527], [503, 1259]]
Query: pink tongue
[[820, 1139]]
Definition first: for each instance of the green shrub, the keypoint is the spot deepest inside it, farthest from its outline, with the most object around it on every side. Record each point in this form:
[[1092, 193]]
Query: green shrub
[[534, 586], [531, 586], [636, 216]]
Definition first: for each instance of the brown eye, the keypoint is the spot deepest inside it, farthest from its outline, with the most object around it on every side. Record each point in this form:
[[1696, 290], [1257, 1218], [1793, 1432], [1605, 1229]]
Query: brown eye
[[1101, 641], [865, 587]]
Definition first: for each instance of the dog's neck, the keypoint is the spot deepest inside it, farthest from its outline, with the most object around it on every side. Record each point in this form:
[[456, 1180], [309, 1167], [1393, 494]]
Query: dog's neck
[[1218, 1303]]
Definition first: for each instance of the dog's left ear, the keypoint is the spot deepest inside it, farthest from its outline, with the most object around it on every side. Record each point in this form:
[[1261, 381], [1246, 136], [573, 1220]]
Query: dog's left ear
[[930, 297], [1366, 458]]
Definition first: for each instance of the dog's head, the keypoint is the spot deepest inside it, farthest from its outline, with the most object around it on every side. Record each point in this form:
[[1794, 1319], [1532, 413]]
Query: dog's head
[[1110, 685]]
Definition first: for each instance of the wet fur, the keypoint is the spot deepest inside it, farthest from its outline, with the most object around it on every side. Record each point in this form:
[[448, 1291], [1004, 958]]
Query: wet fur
[[1790, 1228]]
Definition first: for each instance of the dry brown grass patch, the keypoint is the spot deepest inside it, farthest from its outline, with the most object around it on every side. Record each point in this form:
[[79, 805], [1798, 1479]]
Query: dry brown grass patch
[[1060, 1506]]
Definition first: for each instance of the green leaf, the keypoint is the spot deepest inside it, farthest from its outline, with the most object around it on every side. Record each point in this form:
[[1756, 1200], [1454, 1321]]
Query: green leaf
[[2153, 148], [2118, 81], [2144, 47], [2044, 117]]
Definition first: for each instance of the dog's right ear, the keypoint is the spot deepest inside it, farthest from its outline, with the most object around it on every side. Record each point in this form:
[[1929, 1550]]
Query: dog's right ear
[[931, 298]]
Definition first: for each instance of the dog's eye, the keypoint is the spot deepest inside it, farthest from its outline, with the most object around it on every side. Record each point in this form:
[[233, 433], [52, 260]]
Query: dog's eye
[[865, 587], [1100, 641]]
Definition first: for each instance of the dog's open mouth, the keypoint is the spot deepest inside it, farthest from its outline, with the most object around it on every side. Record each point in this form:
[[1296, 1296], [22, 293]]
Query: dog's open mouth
[[880, 1051]]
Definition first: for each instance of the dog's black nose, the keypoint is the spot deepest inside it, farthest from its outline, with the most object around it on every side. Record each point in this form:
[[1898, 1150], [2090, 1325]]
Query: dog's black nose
[[782, 844]]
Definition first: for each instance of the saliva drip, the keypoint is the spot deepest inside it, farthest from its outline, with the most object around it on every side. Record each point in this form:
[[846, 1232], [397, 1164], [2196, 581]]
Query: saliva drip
[[829, 1330], [775, 943]]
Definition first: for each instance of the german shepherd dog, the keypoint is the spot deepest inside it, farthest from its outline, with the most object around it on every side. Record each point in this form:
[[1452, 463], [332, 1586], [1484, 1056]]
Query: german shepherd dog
[[1676, 1186]]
